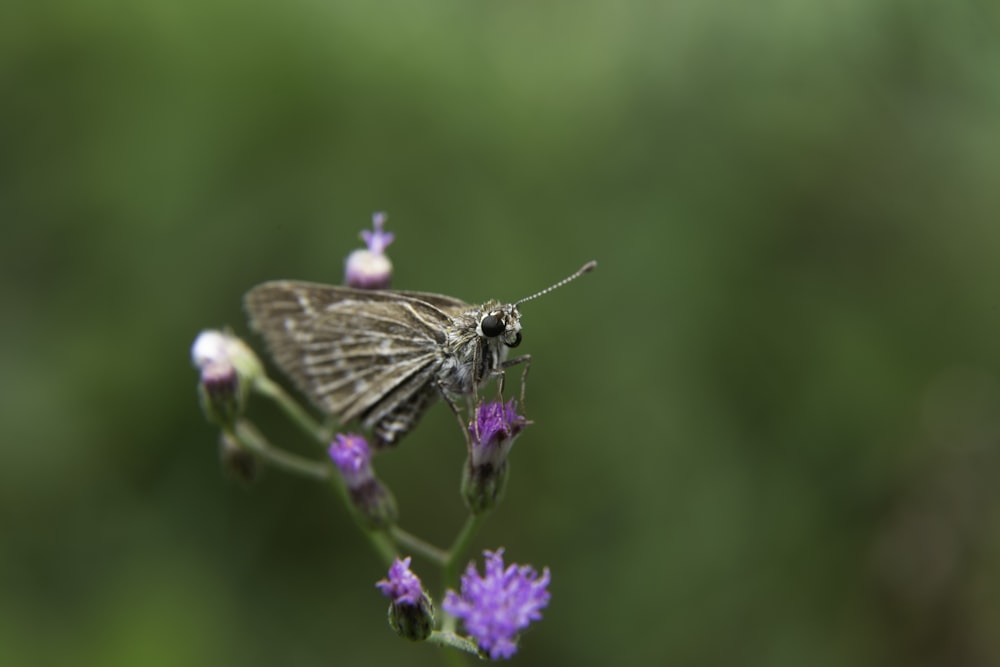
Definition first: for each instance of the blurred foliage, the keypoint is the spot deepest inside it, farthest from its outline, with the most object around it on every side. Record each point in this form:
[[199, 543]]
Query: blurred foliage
[[766, 427]]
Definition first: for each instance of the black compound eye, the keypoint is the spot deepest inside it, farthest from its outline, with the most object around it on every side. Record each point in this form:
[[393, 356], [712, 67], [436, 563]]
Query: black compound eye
[[516, 341], [491, 326]]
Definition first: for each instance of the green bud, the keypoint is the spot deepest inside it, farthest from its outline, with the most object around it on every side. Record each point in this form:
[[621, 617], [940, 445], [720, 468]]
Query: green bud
[[414, 622], [236, 460], [246, 361], [375, 504], [483, 486], [221, 393]]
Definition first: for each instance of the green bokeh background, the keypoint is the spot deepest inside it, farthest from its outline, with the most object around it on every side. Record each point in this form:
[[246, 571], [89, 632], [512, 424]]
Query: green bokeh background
[[766, 428]]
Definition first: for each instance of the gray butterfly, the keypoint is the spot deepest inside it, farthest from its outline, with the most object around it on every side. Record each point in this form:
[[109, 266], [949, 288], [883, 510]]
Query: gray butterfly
[[382, 357]]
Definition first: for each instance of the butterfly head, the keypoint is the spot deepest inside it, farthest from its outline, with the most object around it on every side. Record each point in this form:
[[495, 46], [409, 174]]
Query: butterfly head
[[501, 322]]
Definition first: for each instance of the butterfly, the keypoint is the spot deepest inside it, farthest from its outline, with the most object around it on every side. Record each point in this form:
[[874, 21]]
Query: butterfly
[[383, 357]]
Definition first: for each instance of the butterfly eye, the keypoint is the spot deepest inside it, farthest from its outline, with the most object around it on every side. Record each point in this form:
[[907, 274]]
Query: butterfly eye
[[491, 326], [516, 341]]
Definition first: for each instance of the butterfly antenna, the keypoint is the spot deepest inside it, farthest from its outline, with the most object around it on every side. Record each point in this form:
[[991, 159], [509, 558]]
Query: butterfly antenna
[[586, 268]]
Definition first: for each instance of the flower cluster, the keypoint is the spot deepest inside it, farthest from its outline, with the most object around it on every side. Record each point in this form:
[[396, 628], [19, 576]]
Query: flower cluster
[[493, 607], [496, 606]]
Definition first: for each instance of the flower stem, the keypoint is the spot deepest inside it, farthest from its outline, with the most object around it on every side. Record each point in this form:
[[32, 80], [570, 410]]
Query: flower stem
[[462, 540], [455, 553], [417, 545], [251, 438], [381, 541], [265, 386], [382, 544]]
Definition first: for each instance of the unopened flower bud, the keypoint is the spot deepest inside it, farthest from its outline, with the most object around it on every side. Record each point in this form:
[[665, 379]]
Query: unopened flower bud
[[211, 346], [227, 368], [370, 268], [372, 500], [221, 393], [411, 613], [236, 460]]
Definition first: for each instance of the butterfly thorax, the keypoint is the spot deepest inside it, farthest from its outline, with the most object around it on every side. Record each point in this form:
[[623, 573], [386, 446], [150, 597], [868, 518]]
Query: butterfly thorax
[[476, 345]]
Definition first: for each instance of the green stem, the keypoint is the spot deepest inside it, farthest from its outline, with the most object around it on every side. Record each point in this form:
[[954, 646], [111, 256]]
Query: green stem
[[455, 553], [417, 545], [382, 544], [265, 386], [461, 543], [380, 540], [254, 440]]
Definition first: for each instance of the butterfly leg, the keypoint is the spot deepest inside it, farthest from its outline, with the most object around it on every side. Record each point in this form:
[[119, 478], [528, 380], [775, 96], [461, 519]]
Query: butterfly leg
[[458, 415], [523, 359]]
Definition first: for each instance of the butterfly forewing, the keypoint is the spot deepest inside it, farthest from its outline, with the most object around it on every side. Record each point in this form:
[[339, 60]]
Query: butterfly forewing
[[357, 354]]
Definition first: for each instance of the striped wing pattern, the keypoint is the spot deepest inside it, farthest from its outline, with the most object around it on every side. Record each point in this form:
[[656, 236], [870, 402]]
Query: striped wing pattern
[[357, 354]]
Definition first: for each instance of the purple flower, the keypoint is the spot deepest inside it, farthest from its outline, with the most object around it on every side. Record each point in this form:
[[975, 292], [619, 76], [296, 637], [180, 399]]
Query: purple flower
[[378, 240], [497, 606], [491, 435], [402, 585], [411, 613], [493, 432], [370, 268], [352, 456]]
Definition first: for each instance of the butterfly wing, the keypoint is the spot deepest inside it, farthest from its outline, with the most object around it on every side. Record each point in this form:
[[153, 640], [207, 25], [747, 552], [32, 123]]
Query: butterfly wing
[[358, 354], [446, 304]]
